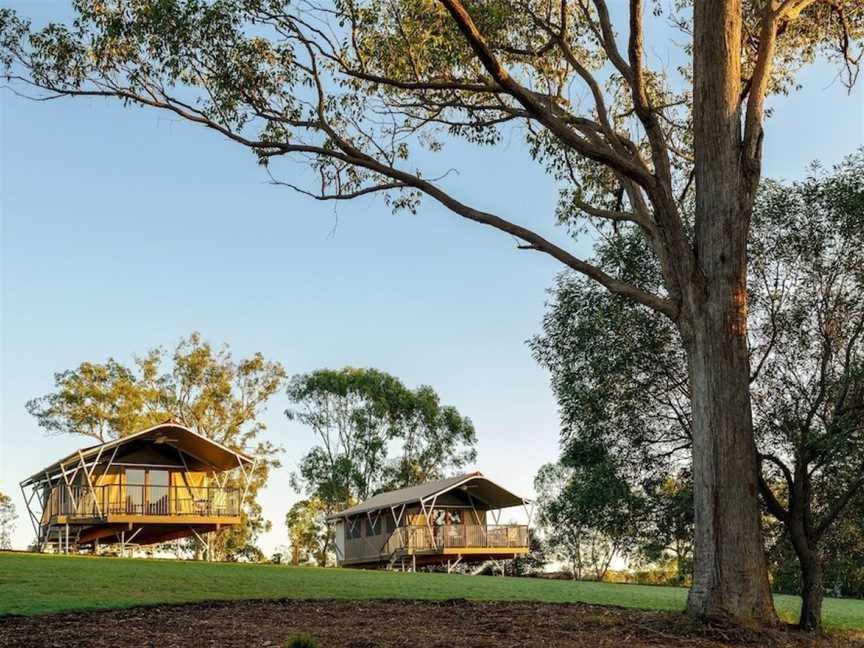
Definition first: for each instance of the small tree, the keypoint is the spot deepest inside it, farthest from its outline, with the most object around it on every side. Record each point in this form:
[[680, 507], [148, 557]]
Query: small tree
[[668, 531], [309, 535], [201, 387], [587, 512], [531, 563], [7, 520]]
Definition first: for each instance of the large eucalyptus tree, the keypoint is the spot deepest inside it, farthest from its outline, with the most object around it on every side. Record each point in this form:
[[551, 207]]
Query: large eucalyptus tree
[[355, 87], [806, 342]]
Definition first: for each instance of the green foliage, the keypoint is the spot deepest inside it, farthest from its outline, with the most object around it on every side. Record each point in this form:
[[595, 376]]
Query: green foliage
[[41, 584], [197, 385], [359, 416], [302, 640], [532, 563], [253, 70], [588, 513], [844, 555], [7, 520], [309, 534], [667, 537], [356, 88], [806, 333]]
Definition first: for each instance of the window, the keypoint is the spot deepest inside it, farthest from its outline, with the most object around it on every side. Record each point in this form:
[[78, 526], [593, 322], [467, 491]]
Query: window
[[443, 517], [373, 525], [389, 522], [353, 527]]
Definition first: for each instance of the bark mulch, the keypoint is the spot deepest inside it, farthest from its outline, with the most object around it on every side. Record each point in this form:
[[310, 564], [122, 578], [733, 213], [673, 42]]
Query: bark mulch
[[388, 624]]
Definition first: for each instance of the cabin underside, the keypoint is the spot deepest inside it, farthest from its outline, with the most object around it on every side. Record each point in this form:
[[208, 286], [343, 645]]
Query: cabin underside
[[449, 556], [131, 533]]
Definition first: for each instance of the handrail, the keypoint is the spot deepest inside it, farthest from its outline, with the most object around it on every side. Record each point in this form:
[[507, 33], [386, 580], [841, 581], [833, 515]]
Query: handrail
[[138, 499], [424, 538]]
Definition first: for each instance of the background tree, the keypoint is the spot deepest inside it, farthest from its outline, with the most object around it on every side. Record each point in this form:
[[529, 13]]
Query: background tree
[[562, 529], [355, 87], [806, 327], [668, 532], [7, 520], [843, 554], [201, 387], [309, 535], [808, 337], [587, 512], [532, 563], [373, 434]]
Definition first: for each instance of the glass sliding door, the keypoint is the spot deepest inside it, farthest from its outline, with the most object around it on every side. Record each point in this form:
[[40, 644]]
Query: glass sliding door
[[135, 481], [157, 492], [147, 491]]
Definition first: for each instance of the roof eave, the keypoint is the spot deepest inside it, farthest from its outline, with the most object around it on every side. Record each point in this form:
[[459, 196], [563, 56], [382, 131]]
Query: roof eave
[[46, 473]]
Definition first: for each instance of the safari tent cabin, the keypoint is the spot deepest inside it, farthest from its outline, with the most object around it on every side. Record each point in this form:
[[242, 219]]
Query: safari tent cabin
[[441, 522], [161, 484]]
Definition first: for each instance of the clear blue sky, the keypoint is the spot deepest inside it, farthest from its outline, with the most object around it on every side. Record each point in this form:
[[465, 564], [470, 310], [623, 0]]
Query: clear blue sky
[[123, 229]]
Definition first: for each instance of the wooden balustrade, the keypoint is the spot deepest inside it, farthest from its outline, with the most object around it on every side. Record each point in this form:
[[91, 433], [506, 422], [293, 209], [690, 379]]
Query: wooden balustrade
[[136, 499], [418, 539]]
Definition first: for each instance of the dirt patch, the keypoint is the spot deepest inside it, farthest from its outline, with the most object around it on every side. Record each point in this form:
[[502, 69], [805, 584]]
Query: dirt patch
[[385, 624]]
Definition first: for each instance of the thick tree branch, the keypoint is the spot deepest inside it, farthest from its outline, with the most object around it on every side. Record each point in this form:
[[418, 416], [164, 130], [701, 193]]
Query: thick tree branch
[[834, 511], [773, 17], [771, 502], [558, 127]]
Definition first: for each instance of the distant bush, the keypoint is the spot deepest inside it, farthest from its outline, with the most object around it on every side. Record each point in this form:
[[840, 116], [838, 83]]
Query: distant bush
[[302, 640]]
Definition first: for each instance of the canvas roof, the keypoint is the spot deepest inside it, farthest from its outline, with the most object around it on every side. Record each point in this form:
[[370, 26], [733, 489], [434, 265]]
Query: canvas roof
[[169, 433], [478, 486]]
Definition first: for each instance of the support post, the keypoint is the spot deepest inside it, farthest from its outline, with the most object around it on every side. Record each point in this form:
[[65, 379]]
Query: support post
[[90, 484]]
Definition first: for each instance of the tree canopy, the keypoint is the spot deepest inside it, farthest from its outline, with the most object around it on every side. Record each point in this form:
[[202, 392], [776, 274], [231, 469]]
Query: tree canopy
[[806, 339], [309, 535], [373, 433], [200, 386], [7, 520]]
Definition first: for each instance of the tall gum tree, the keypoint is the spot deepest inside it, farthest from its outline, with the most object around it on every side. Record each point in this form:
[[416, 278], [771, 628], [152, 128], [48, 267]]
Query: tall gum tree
[[806, 344], [355, 87]]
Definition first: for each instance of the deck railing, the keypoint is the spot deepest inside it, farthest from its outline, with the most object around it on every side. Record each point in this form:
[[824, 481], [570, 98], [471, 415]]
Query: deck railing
[[475, 536], [136, 499]]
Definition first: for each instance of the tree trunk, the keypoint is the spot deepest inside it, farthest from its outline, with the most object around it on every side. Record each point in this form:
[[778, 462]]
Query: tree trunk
[[812, 591], [806, 549], [730, 579]]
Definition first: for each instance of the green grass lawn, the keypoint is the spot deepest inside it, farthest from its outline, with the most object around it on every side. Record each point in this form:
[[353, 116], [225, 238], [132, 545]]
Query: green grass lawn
[[39, 584]]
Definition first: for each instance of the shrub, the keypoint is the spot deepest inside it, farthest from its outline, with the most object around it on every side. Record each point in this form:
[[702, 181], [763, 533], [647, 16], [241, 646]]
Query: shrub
[[302, 640]]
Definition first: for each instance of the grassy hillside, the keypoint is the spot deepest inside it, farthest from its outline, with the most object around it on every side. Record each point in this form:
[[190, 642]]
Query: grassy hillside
[[38, 584]]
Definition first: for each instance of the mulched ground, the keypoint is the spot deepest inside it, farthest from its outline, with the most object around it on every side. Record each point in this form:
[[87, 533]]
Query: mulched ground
[[386, 624]]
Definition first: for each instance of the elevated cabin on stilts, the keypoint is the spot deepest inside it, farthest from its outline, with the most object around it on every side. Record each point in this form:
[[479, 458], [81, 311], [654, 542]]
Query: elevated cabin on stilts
[[444, 522], [160, 484]]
